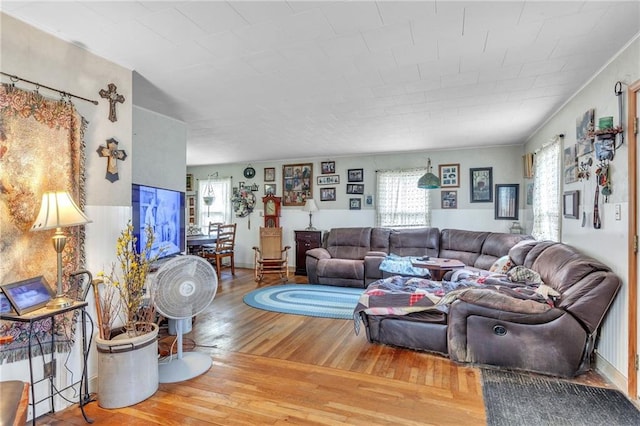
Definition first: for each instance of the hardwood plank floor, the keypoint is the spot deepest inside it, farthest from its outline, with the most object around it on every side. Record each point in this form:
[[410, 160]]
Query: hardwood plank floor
[[274, 369]]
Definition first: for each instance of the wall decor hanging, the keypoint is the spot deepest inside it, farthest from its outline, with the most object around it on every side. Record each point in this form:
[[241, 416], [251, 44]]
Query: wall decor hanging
[[114, 98], [481, 184], [297, 184], [570, 162], [328, 167], [244, 201], [34, 131], [112, 154], [507, 201], [355, 175], [269, 174], [584, 133], [449, 175]]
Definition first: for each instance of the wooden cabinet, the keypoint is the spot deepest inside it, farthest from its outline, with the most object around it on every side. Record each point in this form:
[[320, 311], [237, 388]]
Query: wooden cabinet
[[305, 240]]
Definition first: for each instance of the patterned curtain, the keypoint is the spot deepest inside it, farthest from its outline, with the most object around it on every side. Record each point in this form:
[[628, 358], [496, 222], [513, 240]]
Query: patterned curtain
[[546, 193], [220, 209], [401, 204]]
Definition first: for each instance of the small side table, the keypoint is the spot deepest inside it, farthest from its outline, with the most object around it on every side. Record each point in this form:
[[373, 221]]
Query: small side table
[[305, 240], [438, 266], [33, 318]]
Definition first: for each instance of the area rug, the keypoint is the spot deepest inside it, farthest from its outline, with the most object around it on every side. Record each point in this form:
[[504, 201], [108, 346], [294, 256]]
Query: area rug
[[312, 300], [522, 399]]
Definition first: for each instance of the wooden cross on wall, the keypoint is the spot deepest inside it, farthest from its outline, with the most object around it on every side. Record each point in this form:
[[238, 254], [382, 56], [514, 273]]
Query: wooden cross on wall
[[113, 97], [113, 154]]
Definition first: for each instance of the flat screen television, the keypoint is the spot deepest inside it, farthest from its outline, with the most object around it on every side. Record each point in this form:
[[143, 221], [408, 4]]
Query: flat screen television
[[164, 211]]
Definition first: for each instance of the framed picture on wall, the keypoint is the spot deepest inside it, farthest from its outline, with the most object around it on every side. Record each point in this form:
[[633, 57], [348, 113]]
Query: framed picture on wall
[[507, 201], [269, 188], [449, 199], [355, 188], [355, 175], [328, 167], [481, 183], [327, 194], [355, 203], [297, 184], [449, 175], [269, 174], [328, 180], [570, 204]]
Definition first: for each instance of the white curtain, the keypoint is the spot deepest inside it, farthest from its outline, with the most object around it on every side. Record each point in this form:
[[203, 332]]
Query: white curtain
[[400, 203], [220, 208], [546, 193]]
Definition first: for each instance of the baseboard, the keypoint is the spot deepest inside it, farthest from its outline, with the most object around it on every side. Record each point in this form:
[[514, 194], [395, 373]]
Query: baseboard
[[606, 369]]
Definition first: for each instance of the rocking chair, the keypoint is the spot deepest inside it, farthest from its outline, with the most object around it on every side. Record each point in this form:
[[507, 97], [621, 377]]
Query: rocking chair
[[271, 257]]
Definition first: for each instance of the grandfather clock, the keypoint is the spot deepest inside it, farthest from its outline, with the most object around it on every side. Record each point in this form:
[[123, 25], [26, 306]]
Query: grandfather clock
[[271, 211]]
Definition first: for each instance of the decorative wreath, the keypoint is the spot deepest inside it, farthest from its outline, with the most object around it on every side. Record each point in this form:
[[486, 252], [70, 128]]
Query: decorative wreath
[[243, 203]]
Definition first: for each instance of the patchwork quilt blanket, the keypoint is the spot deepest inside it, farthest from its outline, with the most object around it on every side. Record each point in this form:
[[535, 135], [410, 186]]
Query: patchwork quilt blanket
[[402, 295]]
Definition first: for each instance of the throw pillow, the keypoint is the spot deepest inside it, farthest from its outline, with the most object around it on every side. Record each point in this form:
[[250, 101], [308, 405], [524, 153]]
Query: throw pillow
[[522, 274], [502, 265]]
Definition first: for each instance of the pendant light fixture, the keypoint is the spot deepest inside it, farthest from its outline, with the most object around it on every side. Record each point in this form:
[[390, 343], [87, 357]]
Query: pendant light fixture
[[429, 180]]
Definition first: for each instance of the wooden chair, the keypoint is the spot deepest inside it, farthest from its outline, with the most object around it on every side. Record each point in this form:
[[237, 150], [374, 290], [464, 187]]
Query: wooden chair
[[271, 257], [224, 247], [14, 398]]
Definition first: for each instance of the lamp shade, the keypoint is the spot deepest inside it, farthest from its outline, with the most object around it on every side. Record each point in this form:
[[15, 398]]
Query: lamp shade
[[310, 206], [58, 210], [429, 180]]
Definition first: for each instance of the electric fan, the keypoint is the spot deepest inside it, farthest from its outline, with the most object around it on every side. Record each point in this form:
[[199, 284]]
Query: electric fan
[[182, 288]]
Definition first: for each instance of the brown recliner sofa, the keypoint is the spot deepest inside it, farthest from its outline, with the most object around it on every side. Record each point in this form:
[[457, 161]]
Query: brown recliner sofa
[[488, 327], [351, 257]]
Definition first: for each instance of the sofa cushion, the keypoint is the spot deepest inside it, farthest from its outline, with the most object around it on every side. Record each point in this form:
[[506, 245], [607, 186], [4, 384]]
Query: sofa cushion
[[502, 265], [415, 242], [495, 246], [464, 246], [341, 268], [380, 239], [349, 243]]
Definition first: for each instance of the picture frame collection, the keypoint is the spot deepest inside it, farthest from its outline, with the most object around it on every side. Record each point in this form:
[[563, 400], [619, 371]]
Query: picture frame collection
[[297, 186]]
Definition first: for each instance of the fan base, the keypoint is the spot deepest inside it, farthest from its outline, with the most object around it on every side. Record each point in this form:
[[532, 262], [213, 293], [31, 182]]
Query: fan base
[[191, 364]]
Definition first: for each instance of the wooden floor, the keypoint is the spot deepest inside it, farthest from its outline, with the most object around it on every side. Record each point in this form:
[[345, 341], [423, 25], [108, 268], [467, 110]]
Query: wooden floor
[[275, 369]]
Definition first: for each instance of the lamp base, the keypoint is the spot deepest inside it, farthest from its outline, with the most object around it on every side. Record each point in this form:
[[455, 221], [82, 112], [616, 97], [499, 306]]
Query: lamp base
[[59, 302], [310, 228]]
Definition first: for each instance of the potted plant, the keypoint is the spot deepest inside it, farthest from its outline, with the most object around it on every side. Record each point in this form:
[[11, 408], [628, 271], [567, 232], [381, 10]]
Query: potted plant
[[127, 339]]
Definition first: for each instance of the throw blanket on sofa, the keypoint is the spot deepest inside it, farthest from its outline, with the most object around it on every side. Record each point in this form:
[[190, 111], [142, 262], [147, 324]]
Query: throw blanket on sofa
[[398, 295]]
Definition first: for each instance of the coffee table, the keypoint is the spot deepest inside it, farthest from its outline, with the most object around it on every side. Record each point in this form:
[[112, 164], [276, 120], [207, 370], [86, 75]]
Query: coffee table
[[438, 266]]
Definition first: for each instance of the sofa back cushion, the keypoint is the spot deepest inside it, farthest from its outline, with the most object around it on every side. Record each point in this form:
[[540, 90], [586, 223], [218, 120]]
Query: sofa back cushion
[[415, 242], [464, 246], [380, 239], [349, 243], [495, 246]]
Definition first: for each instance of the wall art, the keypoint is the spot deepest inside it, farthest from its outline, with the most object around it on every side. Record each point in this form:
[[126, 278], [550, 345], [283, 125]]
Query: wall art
[[328, 167], [355, 175], [507, 201], [328, 180], [449, 175], [481, 184], [297, 184], [449, 199], [327, 194]]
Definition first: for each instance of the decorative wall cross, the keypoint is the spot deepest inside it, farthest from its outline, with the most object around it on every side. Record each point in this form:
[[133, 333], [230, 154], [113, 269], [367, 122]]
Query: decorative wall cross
[[113, 154], [113, 97]]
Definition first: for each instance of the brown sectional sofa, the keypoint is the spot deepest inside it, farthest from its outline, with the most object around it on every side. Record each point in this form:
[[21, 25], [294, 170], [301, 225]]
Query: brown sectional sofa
[[484, 327], [351, 257]]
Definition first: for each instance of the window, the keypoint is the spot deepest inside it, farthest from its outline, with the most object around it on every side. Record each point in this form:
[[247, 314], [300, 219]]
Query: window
[[219, 191], [400, 202], [546, 193]]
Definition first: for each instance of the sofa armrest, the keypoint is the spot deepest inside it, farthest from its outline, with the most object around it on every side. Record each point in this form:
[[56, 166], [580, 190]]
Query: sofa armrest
[[319, 253], [551, 342], [372, 262], [311, 262]]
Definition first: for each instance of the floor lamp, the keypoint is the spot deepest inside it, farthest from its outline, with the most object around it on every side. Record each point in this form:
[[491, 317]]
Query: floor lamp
[[58, 211]]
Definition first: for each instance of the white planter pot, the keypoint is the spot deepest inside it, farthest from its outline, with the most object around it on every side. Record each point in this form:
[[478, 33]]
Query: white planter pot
[[127, 369]]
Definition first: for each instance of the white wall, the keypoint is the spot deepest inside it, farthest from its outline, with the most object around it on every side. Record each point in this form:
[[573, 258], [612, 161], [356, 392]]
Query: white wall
[[608, 244], [507, 168]]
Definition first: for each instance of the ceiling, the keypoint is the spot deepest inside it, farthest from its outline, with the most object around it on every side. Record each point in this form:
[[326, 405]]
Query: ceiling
[[275, 80]]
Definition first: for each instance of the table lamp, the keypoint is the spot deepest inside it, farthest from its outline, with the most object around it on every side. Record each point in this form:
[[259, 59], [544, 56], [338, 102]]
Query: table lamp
[[310, 206], [58, 211]]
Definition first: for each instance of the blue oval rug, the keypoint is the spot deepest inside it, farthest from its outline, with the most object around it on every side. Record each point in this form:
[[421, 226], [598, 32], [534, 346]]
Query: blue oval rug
[[312, 300]]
